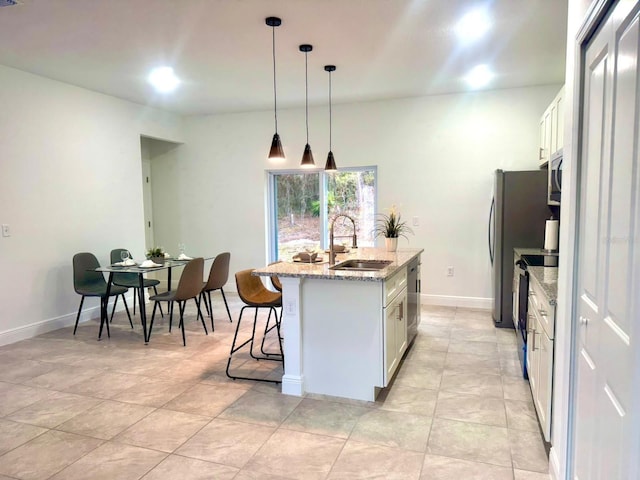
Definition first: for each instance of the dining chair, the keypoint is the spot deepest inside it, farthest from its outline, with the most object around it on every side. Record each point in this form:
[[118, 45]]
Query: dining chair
[[189, 287], [255, 295], [131, 280], [89, 283], [218, 276]]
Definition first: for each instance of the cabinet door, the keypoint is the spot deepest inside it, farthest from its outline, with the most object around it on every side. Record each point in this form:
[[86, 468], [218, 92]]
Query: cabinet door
[[560, 123], [390, 344], [401, 325], [543, 395], [532, 355]]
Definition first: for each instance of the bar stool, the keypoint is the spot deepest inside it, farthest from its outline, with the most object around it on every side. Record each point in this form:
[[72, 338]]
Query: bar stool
[[254, 294]]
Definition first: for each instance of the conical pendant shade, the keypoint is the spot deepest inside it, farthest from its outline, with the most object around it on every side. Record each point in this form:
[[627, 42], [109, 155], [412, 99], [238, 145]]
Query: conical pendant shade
[[307, 157], [276, 152], [330, 166]]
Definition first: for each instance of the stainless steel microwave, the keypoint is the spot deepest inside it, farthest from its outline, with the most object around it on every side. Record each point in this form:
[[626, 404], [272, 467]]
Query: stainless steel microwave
[[555, 178]]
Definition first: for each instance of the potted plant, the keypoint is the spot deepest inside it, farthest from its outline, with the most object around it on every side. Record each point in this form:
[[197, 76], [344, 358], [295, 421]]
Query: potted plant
[[156, 255], [391, 226]]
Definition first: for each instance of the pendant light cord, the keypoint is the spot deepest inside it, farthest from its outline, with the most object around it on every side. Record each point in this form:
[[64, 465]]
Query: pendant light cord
[[275, 94], [306, 93], [330, 111]]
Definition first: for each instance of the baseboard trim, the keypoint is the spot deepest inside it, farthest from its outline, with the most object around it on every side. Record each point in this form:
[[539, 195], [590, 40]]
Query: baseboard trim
[[34, 329], [451, 301], [554, 464]]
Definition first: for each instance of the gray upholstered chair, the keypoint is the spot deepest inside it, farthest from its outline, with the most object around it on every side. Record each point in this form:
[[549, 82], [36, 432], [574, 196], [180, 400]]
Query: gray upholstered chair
[[131, 280], [189, 287], [89, 283]]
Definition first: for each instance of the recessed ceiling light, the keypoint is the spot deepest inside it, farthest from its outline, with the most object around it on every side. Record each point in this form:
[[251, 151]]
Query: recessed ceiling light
[[163, 79], [479, 76], [473, 25]]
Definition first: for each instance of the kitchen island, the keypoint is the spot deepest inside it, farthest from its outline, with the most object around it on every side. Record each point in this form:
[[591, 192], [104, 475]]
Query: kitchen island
[[345, 331]]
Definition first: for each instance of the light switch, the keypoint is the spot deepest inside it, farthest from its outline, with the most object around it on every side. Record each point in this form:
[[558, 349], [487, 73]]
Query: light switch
[[290, 307], [416, 221], [5, 230]]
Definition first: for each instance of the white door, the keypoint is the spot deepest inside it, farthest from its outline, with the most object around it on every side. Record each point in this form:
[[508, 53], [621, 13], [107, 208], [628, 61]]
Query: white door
[[148, 203], [606, 394]]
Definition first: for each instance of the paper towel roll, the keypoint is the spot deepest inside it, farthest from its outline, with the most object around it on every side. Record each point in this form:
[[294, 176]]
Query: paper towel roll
[[551, 235]]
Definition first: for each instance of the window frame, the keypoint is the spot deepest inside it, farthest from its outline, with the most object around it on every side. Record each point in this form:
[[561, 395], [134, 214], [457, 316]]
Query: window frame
[[271, 212]]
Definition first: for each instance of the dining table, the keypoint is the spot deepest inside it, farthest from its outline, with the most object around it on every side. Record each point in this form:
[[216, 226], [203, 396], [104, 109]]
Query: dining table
[[169, 264]]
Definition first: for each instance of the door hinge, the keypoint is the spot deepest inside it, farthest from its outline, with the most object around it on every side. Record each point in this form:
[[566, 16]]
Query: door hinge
[[149, 224]]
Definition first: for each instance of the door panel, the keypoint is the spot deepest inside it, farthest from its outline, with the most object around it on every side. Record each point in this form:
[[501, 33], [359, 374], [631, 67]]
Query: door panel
[[607, 374]]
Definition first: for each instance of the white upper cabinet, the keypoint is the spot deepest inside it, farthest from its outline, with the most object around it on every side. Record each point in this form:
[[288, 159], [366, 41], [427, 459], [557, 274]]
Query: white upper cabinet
[[552, 129]]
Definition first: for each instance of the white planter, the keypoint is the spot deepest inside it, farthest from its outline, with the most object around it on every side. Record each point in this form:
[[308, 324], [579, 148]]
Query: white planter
[[391, 244]]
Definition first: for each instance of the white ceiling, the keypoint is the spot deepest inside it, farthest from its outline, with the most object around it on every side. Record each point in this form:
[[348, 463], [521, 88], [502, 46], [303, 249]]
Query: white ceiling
[[221, 49]]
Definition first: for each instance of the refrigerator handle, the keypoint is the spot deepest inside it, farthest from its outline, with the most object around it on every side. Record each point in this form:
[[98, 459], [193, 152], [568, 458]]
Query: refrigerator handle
[[493, 205]]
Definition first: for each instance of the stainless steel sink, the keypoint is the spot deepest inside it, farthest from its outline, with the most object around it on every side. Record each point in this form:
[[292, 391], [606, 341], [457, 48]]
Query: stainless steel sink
[[357, 265]]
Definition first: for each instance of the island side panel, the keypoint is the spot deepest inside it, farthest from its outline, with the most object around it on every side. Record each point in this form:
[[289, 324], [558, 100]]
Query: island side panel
[[342, 343], [292, 380]]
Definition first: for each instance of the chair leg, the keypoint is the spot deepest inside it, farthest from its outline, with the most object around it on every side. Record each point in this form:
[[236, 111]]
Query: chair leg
[[203, 295], [181, 306], [78, 316], [267, 330], [278, 332], [170, 315], [155, 290], [200, 316], [153, 316], [208, 294], [104, 316], [115, 302], [235, 348], [226, 304], [126, 307], [135, 300]]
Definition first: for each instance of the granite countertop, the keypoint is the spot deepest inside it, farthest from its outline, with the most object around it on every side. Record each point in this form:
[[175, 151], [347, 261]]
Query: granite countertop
[[547, 278], [532, 251], [321, 270]]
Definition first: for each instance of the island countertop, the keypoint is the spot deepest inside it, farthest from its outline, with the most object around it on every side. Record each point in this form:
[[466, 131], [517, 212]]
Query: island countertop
[[321, 270]]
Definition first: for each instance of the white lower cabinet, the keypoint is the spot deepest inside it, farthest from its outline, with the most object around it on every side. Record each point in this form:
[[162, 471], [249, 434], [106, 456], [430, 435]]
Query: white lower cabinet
[[395, 333], [540, 325]]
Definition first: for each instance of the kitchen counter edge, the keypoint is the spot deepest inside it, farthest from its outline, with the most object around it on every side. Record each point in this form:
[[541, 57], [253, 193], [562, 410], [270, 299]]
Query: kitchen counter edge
[[399, 259]]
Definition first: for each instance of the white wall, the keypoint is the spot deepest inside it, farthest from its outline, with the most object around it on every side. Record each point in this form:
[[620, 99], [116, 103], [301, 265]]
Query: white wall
[[435, 156], [70, 181]]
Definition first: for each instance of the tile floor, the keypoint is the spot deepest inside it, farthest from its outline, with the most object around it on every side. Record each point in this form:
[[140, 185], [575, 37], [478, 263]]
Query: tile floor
[[78, 408]]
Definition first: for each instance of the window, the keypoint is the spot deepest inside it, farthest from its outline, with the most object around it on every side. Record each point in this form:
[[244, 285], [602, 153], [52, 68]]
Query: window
[[303, 203]]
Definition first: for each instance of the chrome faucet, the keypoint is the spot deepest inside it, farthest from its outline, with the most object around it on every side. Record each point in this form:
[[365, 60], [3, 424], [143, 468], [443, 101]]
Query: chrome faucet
[[332, 252]]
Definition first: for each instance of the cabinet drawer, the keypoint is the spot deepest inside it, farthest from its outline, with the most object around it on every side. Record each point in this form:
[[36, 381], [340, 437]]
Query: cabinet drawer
[[394, 285], [543, 309]]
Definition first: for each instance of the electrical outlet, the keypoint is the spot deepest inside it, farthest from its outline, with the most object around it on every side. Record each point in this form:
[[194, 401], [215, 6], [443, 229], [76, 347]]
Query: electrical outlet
[[416, 221], [449, 271], [5, 230]]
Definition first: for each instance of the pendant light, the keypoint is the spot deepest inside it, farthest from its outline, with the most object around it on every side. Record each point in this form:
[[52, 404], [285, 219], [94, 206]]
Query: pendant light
[[307, 156], [330, 166], [276, 152]]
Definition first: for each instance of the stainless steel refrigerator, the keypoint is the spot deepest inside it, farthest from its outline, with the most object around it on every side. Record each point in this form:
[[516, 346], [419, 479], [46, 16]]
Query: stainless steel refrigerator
[[516, 220]]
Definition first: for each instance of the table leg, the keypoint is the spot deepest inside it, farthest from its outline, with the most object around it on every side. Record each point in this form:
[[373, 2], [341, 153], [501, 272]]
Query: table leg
[[143, 313], [104, 314]]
